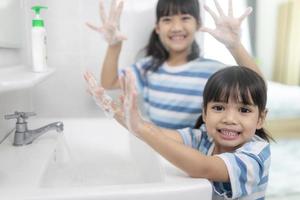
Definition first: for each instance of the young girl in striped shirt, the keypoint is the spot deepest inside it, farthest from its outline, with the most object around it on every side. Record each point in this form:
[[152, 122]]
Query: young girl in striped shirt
[[228, 144], [172, 75]]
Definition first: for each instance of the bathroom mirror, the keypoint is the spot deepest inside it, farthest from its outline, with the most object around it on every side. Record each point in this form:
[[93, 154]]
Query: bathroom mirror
[[10, 23]]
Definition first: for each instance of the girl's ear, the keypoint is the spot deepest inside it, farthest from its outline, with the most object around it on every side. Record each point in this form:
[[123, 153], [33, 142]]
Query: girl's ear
[[261, 119]]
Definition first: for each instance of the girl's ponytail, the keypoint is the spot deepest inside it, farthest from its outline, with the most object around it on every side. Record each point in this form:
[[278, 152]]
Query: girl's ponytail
[[199, 122]]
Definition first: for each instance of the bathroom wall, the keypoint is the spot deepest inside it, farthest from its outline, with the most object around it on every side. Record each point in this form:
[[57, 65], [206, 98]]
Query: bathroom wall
[[73, 48], [9, 57], [17, 100]]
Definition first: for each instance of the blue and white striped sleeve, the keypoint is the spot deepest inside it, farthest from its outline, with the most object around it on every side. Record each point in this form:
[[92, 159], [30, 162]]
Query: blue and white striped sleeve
[[191, 137], [138, 69], [138, 72], [248, 170]]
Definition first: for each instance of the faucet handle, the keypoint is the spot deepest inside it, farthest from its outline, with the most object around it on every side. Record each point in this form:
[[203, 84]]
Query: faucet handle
[[20, 116]]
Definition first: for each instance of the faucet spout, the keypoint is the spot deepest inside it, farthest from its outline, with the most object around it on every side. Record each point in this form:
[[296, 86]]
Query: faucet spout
[[23, 136], [31, 135]]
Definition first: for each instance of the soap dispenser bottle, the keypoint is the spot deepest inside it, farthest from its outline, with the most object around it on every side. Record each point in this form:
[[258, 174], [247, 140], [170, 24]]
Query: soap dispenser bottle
[[39, 41]]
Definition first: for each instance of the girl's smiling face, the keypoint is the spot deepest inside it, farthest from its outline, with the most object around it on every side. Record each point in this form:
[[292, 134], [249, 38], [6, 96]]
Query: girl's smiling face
[[231, 124], [177, 32]]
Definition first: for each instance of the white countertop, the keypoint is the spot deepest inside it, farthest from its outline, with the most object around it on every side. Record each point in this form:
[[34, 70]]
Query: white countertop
[[20, 77]]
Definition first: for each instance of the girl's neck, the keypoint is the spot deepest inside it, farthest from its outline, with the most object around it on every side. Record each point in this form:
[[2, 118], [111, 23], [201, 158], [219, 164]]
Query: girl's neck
[[177, 60], [220, 149]]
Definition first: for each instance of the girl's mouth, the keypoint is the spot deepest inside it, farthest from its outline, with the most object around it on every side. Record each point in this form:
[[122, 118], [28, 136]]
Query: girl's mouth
[[177, 37], [229, 134]]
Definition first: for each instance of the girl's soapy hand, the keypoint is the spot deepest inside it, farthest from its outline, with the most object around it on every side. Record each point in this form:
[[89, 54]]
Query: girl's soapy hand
[[228, 27], [98, 93], [110, 28], [132, 116]]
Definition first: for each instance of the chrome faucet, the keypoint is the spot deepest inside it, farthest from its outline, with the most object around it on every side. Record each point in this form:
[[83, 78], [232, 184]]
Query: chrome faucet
[[23, 136]]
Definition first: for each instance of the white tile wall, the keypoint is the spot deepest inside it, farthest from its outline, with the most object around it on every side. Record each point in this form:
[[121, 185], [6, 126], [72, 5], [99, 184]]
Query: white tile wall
[[15, 100], [9, 57], [72, 48]]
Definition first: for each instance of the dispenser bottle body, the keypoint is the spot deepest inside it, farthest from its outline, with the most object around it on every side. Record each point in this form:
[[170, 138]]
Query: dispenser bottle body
[[39, 54]]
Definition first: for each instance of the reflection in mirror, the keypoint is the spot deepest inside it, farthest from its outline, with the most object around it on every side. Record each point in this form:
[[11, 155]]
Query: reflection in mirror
[[10, 23]]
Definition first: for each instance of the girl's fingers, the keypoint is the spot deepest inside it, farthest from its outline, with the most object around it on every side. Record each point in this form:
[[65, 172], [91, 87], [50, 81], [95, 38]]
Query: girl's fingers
[[133, 92], [112, 9], [212, 13], [122, 82], [127, 84], [102, 11], [246, 14], [230, 8], [118, 13], [132, 82], [207, 30], [121, 37], [87, 76], [121, 99], [88, 91], [221, 13], [98, 92], [91, 80]]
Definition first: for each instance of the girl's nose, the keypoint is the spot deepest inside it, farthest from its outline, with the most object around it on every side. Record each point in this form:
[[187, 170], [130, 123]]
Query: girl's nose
[[176, 25], [229, 117]]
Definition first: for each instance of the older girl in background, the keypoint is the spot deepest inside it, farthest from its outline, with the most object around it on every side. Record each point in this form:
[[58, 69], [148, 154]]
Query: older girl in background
[[172, 75]]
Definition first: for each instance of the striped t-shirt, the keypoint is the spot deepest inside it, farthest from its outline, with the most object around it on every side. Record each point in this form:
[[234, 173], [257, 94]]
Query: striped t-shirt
[[173, 95], [248, 166]]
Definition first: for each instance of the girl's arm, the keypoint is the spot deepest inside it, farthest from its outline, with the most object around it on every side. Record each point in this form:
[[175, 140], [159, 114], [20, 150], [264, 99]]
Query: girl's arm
[[109, 73], [166, 142], [111, 33], [228, 32], [190, 160]]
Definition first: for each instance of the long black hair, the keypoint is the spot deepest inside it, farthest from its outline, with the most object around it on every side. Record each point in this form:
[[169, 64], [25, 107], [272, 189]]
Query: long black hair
[[155, 48], [239, 83]]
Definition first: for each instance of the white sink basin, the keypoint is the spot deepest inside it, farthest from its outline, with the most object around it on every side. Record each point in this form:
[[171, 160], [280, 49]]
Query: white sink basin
[[99, 159], [100, 154]]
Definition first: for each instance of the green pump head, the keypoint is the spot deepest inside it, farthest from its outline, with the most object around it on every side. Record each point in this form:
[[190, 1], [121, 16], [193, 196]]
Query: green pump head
[[37, 21]]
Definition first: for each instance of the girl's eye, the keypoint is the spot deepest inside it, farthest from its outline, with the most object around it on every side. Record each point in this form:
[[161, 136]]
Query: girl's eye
[[218, 108], [186, 18], [245, 110], [165, 19]]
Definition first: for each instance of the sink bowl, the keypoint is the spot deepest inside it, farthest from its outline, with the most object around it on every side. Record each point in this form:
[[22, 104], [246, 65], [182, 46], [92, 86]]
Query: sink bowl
[[93, 159], [98, 155]]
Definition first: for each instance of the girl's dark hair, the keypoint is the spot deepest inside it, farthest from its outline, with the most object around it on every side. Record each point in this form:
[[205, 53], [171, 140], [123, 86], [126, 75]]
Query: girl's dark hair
[[239, 83], [155, 48]]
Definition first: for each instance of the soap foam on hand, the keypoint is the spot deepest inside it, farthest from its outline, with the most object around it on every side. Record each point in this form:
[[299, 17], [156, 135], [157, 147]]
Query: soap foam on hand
[[101, 98]]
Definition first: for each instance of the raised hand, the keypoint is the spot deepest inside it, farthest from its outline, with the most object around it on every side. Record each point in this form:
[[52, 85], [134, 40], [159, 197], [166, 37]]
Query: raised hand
[[127, 113], [110, 28], [104, 101], [228, 28], [132, 116]]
